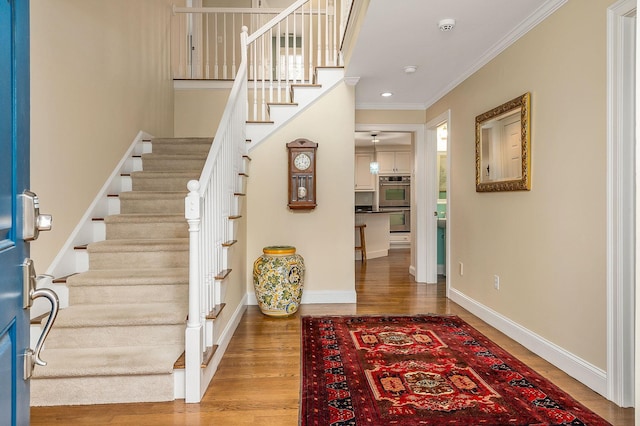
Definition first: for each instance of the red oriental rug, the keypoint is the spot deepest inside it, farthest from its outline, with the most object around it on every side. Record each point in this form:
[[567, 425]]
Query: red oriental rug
[[421, 370]]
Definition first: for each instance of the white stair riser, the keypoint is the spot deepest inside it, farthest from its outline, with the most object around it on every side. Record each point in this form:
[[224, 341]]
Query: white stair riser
[[101, 390], [128, 294], [328, 76], [115, 336], [281, 113], [125, 183]]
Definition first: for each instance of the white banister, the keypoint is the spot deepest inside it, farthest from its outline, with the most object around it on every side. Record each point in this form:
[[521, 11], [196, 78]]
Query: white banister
[[285, 51], [208, 206]]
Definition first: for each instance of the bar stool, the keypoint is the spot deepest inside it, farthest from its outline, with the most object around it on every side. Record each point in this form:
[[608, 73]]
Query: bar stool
[[363, 245]]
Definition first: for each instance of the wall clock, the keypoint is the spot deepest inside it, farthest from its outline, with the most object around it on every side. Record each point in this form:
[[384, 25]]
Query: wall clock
[[302, 174]]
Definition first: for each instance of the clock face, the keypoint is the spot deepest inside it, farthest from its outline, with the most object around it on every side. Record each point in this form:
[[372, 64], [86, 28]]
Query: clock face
[[302, 161]]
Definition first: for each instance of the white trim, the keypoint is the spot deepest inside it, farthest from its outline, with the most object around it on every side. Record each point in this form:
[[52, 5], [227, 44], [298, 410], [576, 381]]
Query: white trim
[[620, 203], [374, 254], [424, 270], [430, 161], [581, 370], [64, 263], [314, 297]]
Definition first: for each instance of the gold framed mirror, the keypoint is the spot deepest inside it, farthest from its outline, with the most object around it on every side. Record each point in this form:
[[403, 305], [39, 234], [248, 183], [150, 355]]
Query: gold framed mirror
[[503, 147]]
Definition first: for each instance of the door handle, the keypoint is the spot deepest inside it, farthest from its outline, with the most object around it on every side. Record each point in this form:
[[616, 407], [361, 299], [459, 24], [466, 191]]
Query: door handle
[[32, 221], [31, 292]]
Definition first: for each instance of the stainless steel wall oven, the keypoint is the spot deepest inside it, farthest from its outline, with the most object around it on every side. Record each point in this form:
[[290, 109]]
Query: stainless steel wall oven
[[394, 191]]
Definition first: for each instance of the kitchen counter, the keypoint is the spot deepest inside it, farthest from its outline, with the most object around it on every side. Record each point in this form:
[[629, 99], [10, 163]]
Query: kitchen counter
[[377, 211], [376, 233]]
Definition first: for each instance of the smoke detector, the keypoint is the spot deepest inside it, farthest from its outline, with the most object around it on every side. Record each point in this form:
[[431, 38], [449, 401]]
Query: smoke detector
[[446, 24]]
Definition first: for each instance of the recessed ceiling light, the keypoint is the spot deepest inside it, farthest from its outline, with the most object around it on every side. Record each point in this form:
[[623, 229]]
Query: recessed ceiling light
[[386, 94], [410, 69]]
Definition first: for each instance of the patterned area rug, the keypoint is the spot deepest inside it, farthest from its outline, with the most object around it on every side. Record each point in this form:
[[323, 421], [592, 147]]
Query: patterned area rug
[[421, 370]]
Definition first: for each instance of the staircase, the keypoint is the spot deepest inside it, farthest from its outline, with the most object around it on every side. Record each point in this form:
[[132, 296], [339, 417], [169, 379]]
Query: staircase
[[124, 328], [142, 323]]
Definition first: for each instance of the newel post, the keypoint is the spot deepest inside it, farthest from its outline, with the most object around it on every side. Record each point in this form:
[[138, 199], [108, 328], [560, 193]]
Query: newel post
[[193, 334]]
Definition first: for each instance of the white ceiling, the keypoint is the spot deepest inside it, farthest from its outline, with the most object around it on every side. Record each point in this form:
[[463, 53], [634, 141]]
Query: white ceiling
[[405, 32]]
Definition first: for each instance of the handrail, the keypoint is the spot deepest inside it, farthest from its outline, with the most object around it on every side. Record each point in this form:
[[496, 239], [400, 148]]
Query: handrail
[[281, 17]]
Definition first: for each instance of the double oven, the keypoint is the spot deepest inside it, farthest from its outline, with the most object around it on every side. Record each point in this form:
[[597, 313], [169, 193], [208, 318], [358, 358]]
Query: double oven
[[394, 194]]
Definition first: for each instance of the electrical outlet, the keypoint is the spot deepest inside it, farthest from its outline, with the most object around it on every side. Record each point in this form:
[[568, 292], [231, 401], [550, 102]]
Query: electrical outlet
[[461, 265], [496, 282]]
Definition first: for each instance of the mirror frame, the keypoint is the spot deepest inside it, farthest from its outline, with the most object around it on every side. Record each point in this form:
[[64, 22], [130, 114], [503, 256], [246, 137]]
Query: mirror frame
[[524, 182]]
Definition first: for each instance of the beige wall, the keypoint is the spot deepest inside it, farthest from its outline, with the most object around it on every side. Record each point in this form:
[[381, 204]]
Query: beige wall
[[547, 245], [197, 112], [326, 233], [99, 74]]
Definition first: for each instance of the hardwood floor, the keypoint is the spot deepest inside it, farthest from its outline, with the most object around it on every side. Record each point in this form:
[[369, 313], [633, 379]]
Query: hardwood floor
[[258, 381]]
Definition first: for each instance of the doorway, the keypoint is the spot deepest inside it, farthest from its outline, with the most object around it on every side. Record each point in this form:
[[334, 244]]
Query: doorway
[[438, 159], [421, 267]]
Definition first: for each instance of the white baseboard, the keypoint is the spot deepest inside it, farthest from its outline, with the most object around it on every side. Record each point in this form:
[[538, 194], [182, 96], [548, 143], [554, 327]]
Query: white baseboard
[[312, 297], [576, 367], [372, 254]]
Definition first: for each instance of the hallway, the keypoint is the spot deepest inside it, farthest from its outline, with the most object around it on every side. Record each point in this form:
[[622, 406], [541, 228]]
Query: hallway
[[258, 381]]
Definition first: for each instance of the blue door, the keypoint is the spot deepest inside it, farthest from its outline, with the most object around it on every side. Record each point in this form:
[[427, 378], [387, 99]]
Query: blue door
[[14, 179]]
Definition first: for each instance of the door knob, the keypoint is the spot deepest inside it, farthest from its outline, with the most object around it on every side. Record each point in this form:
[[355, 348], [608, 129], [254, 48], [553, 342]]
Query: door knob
[[32, 221]]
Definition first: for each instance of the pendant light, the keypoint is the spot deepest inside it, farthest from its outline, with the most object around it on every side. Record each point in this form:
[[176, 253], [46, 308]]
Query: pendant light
[[374, 167]]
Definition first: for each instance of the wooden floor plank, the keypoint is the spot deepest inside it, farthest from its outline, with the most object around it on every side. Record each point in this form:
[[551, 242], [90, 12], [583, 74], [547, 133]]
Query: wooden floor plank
[[258, 380]]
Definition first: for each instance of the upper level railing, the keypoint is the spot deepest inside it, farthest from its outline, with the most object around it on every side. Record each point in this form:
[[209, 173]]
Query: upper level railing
[[206, 45]]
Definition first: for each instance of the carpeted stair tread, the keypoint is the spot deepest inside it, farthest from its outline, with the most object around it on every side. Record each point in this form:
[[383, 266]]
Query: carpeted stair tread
[[152, 195], [173, 162], [153, 201], [121, 315], [145, 218], [180, 145], [130, 277], [203, 140], [193, 174], [151, 245], [163, 181], [108, 361]]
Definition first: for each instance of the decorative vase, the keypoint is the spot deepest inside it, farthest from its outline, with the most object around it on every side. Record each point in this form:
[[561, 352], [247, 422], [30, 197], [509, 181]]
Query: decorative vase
[[278, 277]]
